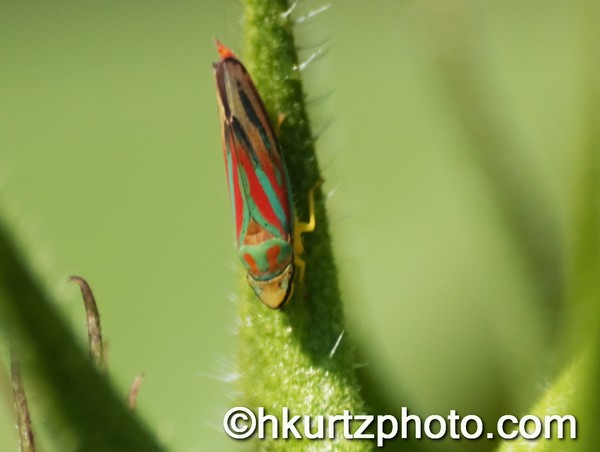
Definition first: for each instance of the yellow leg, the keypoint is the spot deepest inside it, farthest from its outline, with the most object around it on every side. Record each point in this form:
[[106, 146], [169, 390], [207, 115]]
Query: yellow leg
[[300, 267], [301, 228], [280, 118]]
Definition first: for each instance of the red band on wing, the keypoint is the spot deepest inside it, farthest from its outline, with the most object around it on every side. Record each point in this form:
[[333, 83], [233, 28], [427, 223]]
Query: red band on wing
[[230, 145], [259, 196]]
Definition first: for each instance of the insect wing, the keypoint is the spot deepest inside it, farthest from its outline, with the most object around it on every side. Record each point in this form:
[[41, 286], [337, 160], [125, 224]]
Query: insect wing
[[255, 170]]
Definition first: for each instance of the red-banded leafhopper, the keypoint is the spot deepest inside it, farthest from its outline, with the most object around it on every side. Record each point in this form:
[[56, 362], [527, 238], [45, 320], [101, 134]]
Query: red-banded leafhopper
[[267, 233]]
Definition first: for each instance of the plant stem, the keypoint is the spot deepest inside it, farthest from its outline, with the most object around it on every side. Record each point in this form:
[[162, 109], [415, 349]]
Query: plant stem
[[297, 357], [78, 396]]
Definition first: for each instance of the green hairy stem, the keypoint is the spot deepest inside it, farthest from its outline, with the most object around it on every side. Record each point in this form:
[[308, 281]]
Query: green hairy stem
[[298, 357]]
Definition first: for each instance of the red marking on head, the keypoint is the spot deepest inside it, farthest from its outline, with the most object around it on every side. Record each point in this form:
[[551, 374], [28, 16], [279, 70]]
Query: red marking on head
[[272, 255], [251, 263], [224, 52]]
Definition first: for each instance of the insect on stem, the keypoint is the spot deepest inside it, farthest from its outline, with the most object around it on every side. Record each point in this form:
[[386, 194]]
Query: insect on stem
[[268, 235]]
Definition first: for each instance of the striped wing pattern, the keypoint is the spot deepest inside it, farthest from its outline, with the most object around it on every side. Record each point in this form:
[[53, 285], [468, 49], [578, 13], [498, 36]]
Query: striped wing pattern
[[258, 184], [256, 175]]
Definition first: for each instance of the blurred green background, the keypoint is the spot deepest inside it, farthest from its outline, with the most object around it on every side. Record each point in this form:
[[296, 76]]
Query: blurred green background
[[433, 116]]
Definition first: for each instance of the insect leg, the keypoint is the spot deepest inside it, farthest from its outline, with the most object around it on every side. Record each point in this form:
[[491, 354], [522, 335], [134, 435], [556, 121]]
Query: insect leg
[[301, 228]]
